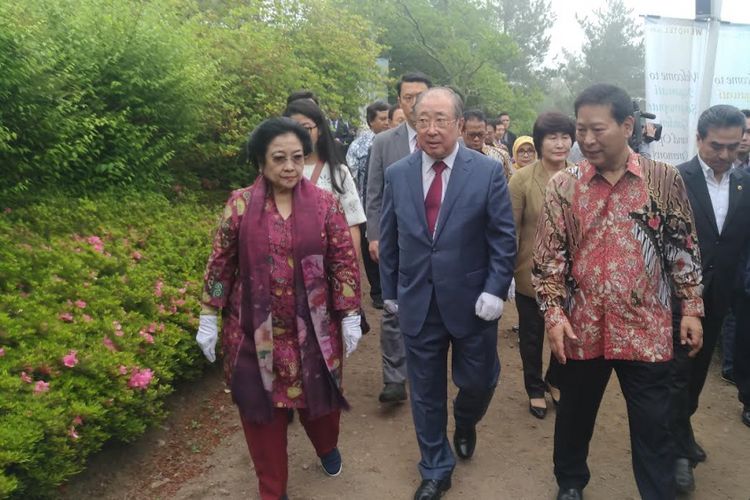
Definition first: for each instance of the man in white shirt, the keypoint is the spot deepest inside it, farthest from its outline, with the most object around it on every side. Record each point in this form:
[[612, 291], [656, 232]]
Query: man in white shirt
[[721, 206], [387, 148]]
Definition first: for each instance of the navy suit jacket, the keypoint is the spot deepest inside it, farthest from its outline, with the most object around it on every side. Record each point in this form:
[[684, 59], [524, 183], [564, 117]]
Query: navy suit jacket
[[474, 247], [721, 253]]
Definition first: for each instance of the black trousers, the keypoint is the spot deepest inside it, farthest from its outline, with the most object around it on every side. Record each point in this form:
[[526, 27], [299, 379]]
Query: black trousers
[[646, 390], [688, 375], [742, 348], [531, 336], [371, 267]]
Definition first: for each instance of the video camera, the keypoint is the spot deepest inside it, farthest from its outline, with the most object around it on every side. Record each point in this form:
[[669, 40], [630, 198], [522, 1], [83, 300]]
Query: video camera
[[640, 133]]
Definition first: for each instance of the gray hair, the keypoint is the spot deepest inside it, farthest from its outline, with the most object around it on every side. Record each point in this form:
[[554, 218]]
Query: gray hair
[[458, 103]]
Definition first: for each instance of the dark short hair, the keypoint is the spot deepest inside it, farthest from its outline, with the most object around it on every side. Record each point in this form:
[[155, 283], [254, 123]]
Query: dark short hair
[[502, 113], [375, 108], [475, 114], [745, 112], [413, 77], [551, 122], [392, 110], [604, 94], [261, 137], [458, 103], [720, 116], [326, 146], [302, 94]]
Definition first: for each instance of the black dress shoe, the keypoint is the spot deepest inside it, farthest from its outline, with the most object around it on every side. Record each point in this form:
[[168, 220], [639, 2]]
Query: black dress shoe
[[392, 393], [699, 454], [432, 489], [683, 475], [465, 441], [746, 415], [570, 494], [538, 411]]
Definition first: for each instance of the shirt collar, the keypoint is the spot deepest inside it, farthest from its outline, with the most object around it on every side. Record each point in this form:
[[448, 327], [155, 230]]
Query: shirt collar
[[708, 172], [427, 161], [633, 166], [412, 133]]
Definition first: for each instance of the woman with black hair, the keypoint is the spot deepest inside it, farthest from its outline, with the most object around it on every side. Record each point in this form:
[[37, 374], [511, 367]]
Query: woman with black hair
[[325, 166], [284, 275]]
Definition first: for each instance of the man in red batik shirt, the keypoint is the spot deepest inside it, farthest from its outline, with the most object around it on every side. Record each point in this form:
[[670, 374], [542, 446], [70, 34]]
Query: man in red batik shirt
[[615, 240]]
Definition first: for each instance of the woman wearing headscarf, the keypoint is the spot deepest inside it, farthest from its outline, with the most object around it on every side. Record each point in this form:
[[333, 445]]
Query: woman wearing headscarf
[[325, 165], [284, 276], [524, 152], [553, 137]]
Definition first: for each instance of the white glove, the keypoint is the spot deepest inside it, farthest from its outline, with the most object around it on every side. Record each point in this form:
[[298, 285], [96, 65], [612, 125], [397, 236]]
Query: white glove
[[208, 334], [512, 290], [352, 332], [488, 307], [390, 306]]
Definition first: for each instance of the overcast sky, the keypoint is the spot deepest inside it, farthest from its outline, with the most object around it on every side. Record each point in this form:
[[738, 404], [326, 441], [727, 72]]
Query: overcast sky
[[567, 34]]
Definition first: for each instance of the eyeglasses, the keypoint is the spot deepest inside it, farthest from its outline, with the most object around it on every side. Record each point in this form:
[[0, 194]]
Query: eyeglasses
[[440, 123], [522, 152], [476, 135]]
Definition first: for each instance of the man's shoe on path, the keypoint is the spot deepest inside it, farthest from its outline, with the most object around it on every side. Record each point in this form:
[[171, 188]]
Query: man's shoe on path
[[683, 475], [393, 393], [746, 415], [570, 494], [728, 376], [432, 489], [331, 462], [465, 441]]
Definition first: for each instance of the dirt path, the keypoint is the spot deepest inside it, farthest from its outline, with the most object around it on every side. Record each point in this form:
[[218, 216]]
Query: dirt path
[[200, 453]]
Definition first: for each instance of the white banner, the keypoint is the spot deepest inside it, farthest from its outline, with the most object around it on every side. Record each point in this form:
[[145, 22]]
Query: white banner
[[676, 61]]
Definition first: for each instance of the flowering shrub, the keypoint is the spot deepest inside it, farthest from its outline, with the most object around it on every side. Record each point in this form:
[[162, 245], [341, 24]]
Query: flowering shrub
[[98, 309]]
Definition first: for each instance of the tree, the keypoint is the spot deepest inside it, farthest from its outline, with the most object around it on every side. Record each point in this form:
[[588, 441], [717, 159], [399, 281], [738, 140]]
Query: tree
[[613, 52]]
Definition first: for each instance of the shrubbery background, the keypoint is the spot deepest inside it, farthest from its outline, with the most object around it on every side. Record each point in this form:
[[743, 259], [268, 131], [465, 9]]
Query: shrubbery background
[[113, 114]]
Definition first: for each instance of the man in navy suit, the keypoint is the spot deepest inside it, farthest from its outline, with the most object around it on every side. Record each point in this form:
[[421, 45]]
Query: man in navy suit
[[447, 251]]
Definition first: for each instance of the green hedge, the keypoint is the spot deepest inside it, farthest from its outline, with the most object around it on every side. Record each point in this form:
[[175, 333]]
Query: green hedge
[[98, 308]]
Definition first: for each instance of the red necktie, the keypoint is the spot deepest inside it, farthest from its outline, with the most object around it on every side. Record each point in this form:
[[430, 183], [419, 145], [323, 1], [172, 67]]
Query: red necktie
[[434, 196]]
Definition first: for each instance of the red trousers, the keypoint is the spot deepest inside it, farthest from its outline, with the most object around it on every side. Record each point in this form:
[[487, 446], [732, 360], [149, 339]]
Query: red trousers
[[267, 445]]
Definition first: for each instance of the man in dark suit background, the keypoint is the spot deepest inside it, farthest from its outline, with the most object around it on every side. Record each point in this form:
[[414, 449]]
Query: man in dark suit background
[[508, 138], [387, 148], [720, 198], [447, 252]]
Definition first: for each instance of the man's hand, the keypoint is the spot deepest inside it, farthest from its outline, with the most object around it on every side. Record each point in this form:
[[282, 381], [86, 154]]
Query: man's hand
[[488, 307], [691, 333], [390, 306], [556, 337], [374, 251]]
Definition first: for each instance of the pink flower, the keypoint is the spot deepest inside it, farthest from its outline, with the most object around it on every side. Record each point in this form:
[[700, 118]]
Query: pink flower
[[7, 210], [161, 327], [70, 359], [147, 337], [123, 370], [77, 420], [179, 302], [97, 243], [182, 290], [151, 328], [136, 255], [66, 316], [140, 379], [72, 433], [80, 304], [2, 352], [162, 309], [40, 387], [86, 318], [25, 377], [108, 343], [158, 288]]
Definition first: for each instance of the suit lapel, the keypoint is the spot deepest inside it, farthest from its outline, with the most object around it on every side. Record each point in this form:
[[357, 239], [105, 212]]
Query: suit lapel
[[735, 195], [402, 141], [696, 180], [459, 176], [414, 180]]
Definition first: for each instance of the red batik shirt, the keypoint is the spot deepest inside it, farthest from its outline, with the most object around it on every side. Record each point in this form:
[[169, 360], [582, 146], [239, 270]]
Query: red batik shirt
[[609, 259]]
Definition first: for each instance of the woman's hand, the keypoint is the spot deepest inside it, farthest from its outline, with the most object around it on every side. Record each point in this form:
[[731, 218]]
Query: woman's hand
[[208, 334], [352, 332]]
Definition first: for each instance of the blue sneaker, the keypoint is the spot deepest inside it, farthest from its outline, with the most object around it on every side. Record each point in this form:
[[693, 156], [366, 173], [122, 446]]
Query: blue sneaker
[[332, 463]]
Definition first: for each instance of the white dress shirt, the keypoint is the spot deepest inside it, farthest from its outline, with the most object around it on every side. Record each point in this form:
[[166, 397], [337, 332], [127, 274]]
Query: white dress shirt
[[428, 173], [718, 191], [412, 137]]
